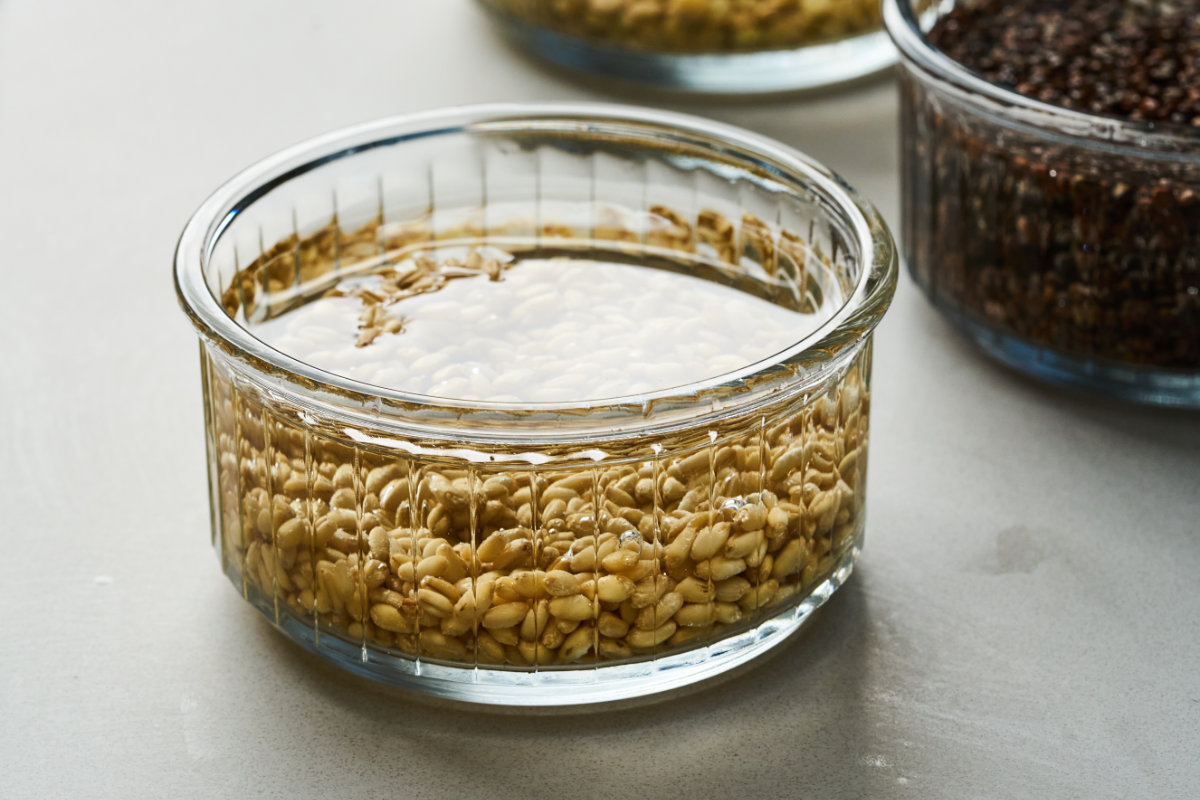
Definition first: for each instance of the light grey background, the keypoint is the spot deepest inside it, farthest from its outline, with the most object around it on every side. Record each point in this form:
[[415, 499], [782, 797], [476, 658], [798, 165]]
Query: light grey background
[[1024, 622]]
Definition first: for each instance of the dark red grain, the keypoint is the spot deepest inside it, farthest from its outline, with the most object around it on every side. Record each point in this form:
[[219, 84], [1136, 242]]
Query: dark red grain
[[1069, 245]]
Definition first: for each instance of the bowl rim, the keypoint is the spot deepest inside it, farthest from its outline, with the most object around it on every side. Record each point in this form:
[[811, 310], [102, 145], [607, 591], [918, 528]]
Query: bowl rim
[[807, 360], [1168, 140]]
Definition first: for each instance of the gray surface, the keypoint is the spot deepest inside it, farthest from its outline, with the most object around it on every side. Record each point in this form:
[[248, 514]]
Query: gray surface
[[1023, 624]]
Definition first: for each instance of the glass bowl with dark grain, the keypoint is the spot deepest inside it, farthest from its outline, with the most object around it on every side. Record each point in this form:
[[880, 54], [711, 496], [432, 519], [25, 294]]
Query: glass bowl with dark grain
[[1051, 185]]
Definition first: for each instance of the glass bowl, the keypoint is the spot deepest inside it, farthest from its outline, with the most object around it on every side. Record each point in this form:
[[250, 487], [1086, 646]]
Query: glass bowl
[[1066, 244], [701, 45], [538, 553]]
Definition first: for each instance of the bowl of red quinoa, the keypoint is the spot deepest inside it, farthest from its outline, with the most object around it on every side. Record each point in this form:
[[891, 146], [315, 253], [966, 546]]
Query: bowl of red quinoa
[[1050, 184]]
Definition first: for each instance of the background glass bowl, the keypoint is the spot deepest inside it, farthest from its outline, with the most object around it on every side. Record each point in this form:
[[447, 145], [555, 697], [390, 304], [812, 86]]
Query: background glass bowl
[[710, 51], [1066, 244], [538, 554]]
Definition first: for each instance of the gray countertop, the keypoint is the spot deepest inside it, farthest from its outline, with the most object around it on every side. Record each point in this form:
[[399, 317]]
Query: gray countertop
[[1023, 622]]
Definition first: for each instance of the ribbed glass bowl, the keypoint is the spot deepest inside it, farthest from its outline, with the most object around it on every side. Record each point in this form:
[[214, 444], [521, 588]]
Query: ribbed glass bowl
[[1066, 244], [744, 46], [538, 553]]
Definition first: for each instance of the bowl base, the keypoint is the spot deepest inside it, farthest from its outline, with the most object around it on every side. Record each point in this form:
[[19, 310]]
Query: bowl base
[[1123, 381], [559, 687], [811, 67]]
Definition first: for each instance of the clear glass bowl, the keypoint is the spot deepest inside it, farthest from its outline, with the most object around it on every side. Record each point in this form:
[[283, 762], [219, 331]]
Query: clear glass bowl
[[1066, 244], [538, 554], [702, 45]]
